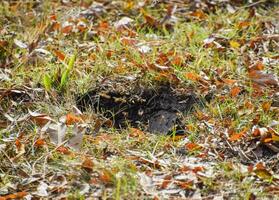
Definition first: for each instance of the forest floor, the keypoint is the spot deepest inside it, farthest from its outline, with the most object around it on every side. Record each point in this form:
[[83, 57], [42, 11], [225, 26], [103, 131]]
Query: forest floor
[[139, 99]]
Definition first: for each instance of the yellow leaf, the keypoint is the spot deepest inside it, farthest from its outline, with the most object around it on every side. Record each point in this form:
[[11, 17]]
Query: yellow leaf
[[234, 44]]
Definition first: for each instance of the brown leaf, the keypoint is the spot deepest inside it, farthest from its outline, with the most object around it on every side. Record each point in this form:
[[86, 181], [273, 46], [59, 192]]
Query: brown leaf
[[87, 164], [263, 78], [67, 29], [128, 41], [166, 181], [237, 136], [266, 106], [134, 132], [151, 21], [184, 184], [262, 172], [192, 76], [235, 91], [177, 61], [198, 14], [39, 118], [243, 24], [192, 146], [39, 143], [59, 55], [17, 195], [63, 150], [72, 119], [229, 81], [106, 177]]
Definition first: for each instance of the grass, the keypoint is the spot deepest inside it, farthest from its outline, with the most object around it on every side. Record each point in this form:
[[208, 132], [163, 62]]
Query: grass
[[119, 156]]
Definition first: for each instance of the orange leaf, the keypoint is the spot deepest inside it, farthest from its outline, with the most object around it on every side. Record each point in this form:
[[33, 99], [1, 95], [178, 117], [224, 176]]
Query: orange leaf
[[87, 164], [184, 184], [162, 59], [235, 91], [229, 81], [243, 24], [63, 150], [151, 21], [256, 132], [192, 76], [267, 140], [198, 169], [192, 146], [237, 136], [53, 17], [256, 66], [18, 195], [199, 14], [128, 41], [266, 106], [177, 61], [39, 119], [59, 55], [56, 26], [105, 176], [136, 132], [39, 143], [103, 25], [72, 119], [184, 169], [67, 29], [3, 43], [18, 144], [166, 182]]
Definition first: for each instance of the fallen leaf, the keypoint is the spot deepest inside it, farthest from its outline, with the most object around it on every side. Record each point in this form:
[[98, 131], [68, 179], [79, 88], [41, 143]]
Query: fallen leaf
[[42, 189], [229, 81], [123, 22], [166, 181], [193, 146], [57, 133], [235, 91], [72, 119], [67, 29], [243, 24], [39, 143], [20, 44], [87, 164], [237, 136], [63, 150], [263, 78], [192, 76], [177, 61], [266, 106], [184, 184], [39, 118], [234, 44], [76, 141], [198, 14], [134, 132], [105, 177], [17, 195], [61, 56], [128, 41], [261, 171]]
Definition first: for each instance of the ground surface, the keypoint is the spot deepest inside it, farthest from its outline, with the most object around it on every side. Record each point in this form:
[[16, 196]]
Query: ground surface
[[139, 99]]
